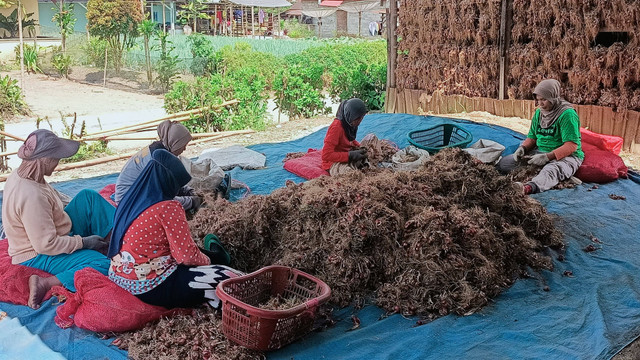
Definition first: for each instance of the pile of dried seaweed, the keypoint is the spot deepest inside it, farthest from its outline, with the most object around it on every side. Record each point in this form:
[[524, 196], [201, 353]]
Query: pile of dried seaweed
[[446, 238], [443, 239], [197, 336]]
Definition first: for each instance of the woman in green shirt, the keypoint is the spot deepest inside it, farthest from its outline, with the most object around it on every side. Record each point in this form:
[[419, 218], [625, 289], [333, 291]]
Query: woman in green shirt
[[553, 142]]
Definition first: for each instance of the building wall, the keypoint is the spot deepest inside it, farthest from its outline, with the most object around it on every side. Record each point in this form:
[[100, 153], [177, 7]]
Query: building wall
[[330, 23], [49, 28], [31, 6]]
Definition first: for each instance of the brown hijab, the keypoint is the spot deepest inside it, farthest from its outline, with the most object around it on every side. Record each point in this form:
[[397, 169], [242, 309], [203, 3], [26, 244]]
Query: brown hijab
[[35, 169], [173, 135], [550, 90]]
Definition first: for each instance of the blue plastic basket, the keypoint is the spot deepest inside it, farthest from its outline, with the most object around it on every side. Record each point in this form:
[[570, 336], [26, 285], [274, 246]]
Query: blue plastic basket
[[439, 137]]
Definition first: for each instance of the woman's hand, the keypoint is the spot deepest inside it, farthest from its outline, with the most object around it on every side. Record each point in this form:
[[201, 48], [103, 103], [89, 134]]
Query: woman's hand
[[95, 242], [357, 155]]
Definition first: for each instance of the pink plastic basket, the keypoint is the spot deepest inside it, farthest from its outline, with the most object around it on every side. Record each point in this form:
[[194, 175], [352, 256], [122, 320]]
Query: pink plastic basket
[[264, 330]]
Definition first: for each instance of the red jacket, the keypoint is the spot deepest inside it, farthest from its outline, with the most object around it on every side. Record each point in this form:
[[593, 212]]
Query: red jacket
[[336, 145]]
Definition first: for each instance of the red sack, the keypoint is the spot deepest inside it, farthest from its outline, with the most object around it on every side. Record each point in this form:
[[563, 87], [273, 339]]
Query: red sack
[[308, 166], [106, 193], [609, 143], [600, 166], [102, 306], [15, 278]]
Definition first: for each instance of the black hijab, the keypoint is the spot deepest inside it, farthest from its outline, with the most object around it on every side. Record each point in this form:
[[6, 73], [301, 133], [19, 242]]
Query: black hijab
[[349, 111]]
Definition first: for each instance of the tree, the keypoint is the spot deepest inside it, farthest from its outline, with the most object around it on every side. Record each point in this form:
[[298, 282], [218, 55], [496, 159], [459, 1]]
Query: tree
[[115, 21], [193, 11], [147, 28], [66, 19]]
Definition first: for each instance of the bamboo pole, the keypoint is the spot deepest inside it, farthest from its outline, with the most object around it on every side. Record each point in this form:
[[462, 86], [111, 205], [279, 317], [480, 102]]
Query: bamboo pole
[[91, 162], [8, 153], [222, 135], [102, 160], [11, 136], [168, 117], [195, 136]]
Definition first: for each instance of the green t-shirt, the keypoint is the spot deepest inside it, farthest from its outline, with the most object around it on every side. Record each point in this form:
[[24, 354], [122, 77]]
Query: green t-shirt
[[566, 128]]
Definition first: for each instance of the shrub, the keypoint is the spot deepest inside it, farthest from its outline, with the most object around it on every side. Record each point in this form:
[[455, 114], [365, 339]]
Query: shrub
[[246, 85], [30, 57], [295, 30], [345, 68], [167, 66], [298, 89], [231, 59], [11, 99], [61, 62], [367, 82], [203, 54], [94, 52]]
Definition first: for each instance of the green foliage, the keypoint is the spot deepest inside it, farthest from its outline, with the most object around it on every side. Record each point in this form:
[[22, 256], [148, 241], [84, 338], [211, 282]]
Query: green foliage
[[344, 68], [147, 28], [11, 99], [248, 83], [167, 66], [203, 62], [10, 23], [6, 3], [367, 82], [61, 62], [94, 52], [231, 59], [87, 150], [115, 21], [298, 89], [65, 18], [90, 150], [191, 12], [30, 57], [295, 30]]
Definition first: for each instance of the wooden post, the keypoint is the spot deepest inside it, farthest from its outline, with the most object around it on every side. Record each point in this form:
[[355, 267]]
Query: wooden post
[[164, 19], [393, 42], [502, 47], [21, 45], [253, 27], [359, 22], [104, 76]]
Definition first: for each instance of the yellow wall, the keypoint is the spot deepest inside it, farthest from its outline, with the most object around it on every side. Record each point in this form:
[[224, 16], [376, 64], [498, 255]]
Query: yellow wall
[[30, 6]]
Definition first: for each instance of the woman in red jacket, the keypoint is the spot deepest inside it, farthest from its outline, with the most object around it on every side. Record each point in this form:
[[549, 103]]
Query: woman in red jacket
[[337, 154]]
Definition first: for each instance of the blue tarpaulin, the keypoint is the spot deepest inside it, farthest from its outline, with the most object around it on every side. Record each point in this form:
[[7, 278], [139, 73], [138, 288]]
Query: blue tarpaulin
[[593, 314]]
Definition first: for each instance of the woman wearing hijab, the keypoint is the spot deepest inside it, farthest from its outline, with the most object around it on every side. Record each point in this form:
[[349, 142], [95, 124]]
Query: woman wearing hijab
[[553, 141], [174, 138], [41, 233], [337, 154], [153, 255]]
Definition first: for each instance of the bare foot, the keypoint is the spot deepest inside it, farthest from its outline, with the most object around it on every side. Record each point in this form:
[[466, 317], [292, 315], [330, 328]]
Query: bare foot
[[38, 287]]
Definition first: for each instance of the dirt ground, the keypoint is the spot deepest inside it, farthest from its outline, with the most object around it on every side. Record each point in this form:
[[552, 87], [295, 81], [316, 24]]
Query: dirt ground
[[126, 100]]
